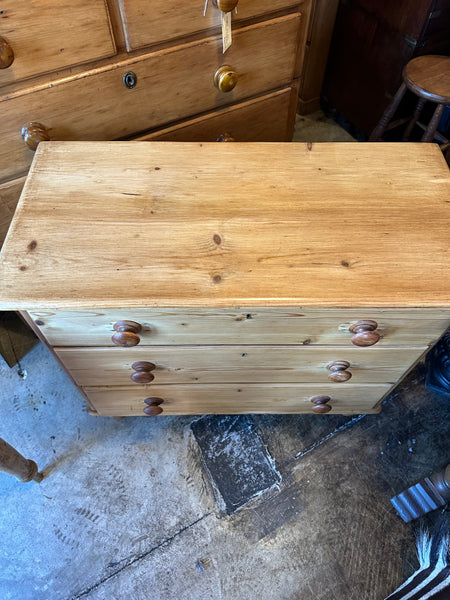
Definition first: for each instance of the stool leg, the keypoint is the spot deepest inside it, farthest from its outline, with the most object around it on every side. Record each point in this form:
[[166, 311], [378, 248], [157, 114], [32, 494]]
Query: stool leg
[[377, 133], [15, 464], [428, 136], [419, 107]]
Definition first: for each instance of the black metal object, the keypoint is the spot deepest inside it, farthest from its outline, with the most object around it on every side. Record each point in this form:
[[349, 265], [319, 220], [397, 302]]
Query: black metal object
[[427, 495], [438, 363]]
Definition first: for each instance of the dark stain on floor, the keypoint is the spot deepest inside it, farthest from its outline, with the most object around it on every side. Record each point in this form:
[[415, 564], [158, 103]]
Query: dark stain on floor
[[235, 456]]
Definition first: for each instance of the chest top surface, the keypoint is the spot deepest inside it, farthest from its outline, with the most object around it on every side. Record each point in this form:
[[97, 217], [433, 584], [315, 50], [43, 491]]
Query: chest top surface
[[121, 224]]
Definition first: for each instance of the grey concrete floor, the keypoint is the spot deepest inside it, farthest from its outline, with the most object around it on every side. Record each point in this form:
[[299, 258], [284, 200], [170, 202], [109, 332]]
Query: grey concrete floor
[[139, 508]]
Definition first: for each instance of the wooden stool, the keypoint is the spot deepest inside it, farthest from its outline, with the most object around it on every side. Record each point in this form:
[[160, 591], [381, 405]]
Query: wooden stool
[[428, 77], [15, 464]]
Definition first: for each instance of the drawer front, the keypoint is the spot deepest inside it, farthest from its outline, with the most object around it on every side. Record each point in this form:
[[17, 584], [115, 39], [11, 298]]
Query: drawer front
[[266, 119], [171, 85], [228, 364], [235, 399], [149, 22], [275, 326], [46, 36], [9, 196]]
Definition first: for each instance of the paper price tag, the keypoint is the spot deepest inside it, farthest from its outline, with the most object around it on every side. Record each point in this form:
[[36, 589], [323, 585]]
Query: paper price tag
[[226, 31]]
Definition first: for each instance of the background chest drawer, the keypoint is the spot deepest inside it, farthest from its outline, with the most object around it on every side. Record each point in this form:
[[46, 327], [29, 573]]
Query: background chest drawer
[[170, 85], [45, 36], [265, 119], [160, 327], [228, 364], [238, 398], [149, 22]]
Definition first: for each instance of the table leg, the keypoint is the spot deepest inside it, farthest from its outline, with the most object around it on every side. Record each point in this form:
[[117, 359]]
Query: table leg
[[15, 464]]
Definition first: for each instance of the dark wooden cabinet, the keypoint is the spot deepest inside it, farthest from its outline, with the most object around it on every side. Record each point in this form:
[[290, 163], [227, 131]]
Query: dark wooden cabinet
[[372, 42]]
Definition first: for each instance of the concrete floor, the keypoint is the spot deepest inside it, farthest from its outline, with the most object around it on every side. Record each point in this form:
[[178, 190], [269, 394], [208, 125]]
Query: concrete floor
[[141, 508]]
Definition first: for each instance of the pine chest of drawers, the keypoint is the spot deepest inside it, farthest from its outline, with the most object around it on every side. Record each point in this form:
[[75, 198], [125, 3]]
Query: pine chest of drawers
[[231, 278]]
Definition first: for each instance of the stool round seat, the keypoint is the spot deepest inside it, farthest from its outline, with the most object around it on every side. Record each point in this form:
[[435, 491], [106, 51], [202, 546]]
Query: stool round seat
[[429, 77]]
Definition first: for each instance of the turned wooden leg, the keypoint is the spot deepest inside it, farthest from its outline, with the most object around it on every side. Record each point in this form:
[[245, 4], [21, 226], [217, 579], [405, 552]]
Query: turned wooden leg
[[15, 464], [428, 136], [419, 106], [377, 133]]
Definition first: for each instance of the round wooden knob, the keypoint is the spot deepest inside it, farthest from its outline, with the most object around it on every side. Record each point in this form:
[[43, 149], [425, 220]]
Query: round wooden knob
[[339, 371], [34, 133], [225, 79], [320, 404], [142, 374], [153, 407], [227, 5], [142, 377], [365, 334], [6, 54], [126, 335], [225, 137]]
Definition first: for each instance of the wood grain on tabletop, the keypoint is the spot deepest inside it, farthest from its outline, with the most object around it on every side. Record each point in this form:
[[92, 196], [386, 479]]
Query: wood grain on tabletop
[[146, 24], [46, 36], [237, 398], [121, 224], [172, 84], [218, 364]]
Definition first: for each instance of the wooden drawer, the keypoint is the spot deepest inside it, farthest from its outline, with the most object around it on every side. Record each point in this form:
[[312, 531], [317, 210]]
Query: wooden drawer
[[235, 399], [171, 84], [149, 22], [161, 327], [264, 119], [228, 364], [9, 196], [50, 35]]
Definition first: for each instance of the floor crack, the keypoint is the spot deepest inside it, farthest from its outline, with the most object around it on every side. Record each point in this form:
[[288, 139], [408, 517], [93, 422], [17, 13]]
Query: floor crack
[[132, 560], [312, 447]]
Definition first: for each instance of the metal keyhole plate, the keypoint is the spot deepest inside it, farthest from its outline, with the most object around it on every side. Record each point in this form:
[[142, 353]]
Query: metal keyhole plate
[[130, 80]]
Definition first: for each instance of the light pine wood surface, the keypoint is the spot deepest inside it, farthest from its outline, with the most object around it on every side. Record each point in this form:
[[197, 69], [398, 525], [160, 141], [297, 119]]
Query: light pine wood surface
[[227, 364], [239, 270], [217, 225], [237, 398], [245, 325]]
